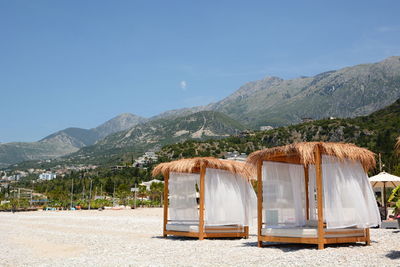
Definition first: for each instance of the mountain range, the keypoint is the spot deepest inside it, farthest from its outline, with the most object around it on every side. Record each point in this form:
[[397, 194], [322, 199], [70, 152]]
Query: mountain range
[[156, 133], [348, 92], [65, 141], [377, 131]]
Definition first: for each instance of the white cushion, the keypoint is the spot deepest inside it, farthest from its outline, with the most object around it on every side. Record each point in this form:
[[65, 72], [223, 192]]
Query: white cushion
[[195, 228]]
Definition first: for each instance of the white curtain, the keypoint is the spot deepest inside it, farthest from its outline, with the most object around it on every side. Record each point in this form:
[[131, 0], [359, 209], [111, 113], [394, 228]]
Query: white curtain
[[312, 193], [283, 194], [182, 198], [228, 199], [348, 196]]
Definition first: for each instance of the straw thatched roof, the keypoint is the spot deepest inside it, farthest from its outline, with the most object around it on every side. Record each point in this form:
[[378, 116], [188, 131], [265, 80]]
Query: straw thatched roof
[[193, 165], [303, 153], [397, 146]]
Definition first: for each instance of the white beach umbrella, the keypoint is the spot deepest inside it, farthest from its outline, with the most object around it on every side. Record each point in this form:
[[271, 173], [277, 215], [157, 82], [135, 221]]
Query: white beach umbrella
[[382, 180]]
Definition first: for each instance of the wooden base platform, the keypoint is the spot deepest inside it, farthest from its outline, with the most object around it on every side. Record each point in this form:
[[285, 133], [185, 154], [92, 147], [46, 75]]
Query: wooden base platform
[[244, 233], [361, 235]]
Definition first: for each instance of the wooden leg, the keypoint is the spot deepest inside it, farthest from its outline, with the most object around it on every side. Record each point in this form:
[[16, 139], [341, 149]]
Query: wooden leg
[[201, 237], [259, 244], [246, 232], [368, 242], [320, 246]]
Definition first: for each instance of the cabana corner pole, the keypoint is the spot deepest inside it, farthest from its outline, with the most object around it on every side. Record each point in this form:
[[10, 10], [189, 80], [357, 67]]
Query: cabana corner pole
[[259, 201], [307, 198], [201, 206], [318, 170], [166, 178]]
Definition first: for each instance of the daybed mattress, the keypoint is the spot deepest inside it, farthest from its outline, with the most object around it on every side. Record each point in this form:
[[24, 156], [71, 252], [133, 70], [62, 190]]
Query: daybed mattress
[[307, 232], [195, 228]]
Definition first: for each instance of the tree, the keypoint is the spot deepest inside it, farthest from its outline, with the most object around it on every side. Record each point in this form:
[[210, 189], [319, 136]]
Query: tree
[[142, 191], [156, 190], [395, 197]]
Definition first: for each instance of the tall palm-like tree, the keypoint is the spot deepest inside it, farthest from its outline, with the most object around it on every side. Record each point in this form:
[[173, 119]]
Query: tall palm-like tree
[[157, 190]]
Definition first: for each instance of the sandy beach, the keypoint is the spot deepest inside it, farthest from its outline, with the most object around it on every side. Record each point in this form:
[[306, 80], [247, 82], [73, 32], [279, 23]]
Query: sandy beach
[[133, 238]]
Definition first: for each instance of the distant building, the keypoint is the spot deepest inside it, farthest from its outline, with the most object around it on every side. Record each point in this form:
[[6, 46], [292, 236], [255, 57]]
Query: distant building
[[307, 119], [14, 177], [266, 128], [245, 133], [148, 184], [47, 176], [146, 158], [118, 167], [235, 156]]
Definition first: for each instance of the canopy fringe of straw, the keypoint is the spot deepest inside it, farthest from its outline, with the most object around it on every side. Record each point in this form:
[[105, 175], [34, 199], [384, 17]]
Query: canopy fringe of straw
[[397, 146], [192, 165], [305, 152]]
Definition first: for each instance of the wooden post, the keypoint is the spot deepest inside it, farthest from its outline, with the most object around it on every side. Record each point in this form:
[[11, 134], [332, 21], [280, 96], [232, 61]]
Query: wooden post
[[201, 208], [368, 242], [307, 198], [166, 178], [320, 203], [259, 202], [246, 232]]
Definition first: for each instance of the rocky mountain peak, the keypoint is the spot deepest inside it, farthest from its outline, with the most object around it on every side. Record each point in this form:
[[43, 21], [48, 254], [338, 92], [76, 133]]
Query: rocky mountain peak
[[119, 123]]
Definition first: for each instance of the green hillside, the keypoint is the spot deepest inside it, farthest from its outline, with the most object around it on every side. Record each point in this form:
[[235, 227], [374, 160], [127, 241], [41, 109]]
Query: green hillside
[[377, 132], [156, 133]]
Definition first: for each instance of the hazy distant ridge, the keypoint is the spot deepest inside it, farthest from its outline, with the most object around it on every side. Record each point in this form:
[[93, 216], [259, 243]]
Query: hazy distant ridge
[[65, 141]]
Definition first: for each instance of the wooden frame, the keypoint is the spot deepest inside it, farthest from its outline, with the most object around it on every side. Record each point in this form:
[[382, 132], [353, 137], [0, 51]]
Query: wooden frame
[[204, 232], [322, 238]]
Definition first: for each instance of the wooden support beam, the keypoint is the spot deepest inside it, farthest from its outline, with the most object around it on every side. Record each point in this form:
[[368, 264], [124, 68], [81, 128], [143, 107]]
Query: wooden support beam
[[306, 177], [166, 180], [217, 235], [259, 201], [201, 208], [320, 204], [246, 232], [345, 232], [367, 236], [186, 234], [284, 239], [286, 159]]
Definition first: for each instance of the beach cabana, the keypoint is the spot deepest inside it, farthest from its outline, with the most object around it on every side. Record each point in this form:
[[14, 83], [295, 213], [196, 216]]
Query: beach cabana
[[227, 201], [315, 193]]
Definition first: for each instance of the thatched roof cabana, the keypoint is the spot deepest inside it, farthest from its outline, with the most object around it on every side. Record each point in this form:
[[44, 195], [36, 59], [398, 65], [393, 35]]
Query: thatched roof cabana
[[224, 190], [304, 153], [315, 193], [193, 165]]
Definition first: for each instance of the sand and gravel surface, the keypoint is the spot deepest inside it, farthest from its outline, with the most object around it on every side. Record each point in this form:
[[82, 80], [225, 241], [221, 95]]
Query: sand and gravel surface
[[132, 238]]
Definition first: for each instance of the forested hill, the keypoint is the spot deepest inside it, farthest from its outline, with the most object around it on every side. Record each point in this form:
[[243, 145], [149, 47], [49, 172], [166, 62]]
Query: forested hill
[[377, 131], [156, 133]]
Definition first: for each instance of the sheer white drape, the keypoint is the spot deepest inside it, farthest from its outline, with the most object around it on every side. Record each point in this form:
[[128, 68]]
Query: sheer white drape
[[228, 199], [312, 192], [348, 196], [283, 194], [182, 197]]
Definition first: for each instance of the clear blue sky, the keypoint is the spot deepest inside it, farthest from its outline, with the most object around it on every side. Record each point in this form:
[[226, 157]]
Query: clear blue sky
[[80, 63]]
